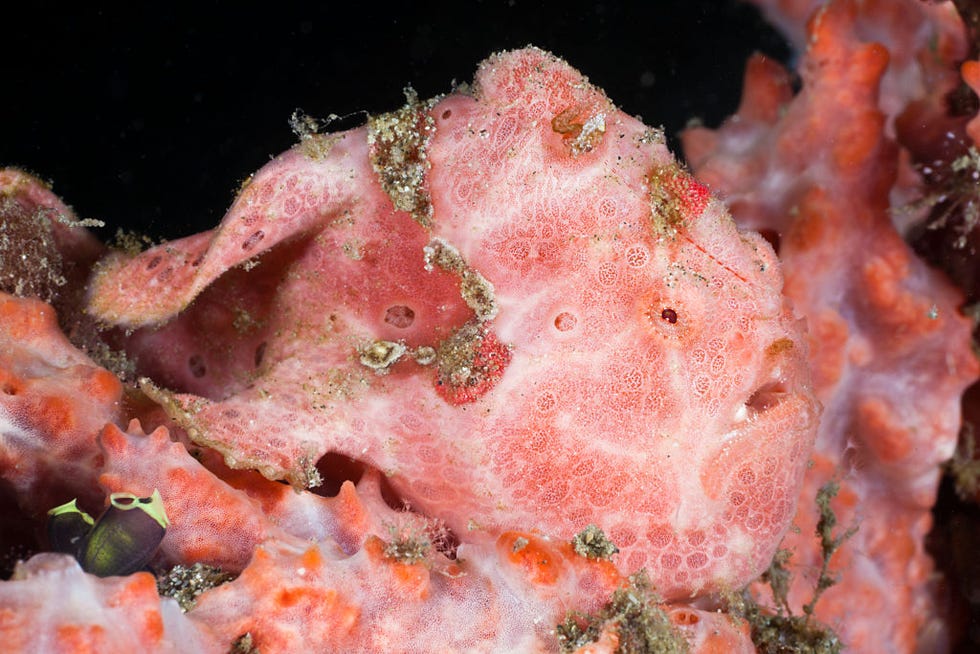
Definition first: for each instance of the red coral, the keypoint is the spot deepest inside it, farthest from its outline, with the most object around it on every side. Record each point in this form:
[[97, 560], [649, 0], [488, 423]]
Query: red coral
[[889, 348], [50, 605], [53, 402], [971, 75], [224, 535]]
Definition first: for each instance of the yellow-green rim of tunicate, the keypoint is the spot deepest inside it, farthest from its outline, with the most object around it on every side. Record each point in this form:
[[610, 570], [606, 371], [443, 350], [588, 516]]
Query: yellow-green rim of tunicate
[[151, 506], [71, 507]]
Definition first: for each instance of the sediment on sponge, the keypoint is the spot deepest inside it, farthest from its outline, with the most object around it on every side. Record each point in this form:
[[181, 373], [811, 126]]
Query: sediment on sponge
[[592, 543], [30, 263], [782, 632], [185, 582], [45, 252], [633, 615]]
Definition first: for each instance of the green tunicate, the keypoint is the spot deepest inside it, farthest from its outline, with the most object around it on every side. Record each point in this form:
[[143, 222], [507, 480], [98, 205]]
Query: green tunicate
[[126, 536], [67, 525]]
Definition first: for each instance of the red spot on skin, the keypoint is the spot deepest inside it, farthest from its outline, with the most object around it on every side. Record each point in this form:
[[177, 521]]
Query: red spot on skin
[[689, 193], [676, 195], [490, 358]]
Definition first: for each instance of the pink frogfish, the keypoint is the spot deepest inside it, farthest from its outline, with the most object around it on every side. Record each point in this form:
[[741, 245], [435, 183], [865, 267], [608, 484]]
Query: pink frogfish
[[516, 305]]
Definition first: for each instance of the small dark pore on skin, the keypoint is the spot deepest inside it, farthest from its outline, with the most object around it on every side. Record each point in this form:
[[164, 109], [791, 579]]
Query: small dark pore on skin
[[565, 321], [196, 365], [253, 240], [669, 315], [400, 316]]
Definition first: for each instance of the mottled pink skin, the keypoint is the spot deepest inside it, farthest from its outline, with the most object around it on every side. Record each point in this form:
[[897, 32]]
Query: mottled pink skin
[[653, 381], [889, 349]]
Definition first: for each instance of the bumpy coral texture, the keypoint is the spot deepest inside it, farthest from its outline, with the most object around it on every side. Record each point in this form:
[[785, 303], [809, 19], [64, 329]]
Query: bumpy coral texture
[[889, 349], [923, 39], [327, 570], [346, 573], [513, 303], [53, 402], [50, 605]]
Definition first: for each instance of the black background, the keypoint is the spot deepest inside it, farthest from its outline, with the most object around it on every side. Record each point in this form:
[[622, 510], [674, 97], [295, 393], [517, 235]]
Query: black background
[[150, 118]]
